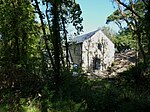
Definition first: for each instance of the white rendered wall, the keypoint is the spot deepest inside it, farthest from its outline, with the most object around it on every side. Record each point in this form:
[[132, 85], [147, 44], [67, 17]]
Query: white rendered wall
[[90, 50]]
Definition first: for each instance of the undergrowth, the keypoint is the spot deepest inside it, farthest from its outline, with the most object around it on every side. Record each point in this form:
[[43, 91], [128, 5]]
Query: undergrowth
[[129, 92]]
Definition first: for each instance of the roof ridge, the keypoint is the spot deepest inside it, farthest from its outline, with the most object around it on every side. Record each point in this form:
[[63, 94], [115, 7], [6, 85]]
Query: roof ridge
[[81, 38]]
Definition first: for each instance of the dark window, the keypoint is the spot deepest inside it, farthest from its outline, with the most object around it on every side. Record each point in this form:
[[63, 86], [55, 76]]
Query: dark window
[[96, 63], [99, 46], [74, 50]]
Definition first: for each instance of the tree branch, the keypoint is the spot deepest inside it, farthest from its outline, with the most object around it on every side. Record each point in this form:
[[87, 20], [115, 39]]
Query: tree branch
[[129, 8], [145, 3]]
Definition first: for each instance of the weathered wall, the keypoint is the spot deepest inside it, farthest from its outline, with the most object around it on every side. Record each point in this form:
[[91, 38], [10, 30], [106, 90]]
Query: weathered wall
[[76, 53], [96, 50], [90, 51]]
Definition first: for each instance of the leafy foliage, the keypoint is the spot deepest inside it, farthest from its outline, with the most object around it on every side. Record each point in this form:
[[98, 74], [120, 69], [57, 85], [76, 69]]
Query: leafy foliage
[[124, 41], [135, 18], [110, 33]]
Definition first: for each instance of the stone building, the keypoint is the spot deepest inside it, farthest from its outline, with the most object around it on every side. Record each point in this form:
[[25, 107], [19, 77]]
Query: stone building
[[93, 51]]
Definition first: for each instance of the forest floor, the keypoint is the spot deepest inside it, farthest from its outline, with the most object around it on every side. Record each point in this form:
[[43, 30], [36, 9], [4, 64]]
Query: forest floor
[[121, 63]]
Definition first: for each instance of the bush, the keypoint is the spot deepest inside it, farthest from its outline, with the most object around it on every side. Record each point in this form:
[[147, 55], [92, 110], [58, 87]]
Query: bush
[[79, 94]]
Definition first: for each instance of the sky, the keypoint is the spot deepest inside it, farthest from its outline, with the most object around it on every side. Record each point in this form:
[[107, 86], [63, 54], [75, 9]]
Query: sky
[[95, 13]]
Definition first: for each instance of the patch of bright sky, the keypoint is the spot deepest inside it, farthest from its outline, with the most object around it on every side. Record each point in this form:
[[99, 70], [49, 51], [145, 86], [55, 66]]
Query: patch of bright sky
[[95, 13]]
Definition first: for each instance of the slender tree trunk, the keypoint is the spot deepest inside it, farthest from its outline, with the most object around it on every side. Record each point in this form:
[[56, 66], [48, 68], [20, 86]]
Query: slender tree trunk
[[138, 33], [148, 25], [44, 33], [66, 42], [51, 33], [17, 47], [16, 35], [48, 20], [24, 48], [56, 41]]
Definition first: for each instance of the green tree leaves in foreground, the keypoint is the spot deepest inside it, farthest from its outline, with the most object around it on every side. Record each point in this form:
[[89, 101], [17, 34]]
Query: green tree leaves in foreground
[[32, 49]]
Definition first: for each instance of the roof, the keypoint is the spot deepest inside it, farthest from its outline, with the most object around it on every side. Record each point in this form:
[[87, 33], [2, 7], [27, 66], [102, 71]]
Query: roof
[[80, 39]]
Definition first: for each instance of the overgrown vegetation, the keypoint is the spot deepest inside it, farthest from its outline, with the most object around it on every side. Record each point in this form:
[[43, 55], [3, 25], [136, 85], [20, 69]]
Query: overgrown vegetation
[[35, 73], [79, 94]]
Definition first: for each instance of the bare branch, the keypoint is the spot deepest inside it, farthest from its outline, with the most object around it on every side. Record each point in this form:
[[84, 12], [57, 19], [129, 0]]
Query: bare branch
[[128, 8]]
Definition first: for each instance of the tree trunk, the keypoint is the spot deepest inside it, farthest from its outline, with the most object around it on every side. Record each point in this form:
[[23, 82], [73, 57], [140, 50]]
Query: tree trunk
[[44, 33], [138, 33], [66, 42], [56, 41]]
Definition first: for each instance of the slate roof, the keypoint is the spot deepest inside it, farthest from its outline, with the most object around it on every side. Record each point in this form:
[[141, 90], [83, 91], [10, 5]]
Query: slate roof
[[80, 39]]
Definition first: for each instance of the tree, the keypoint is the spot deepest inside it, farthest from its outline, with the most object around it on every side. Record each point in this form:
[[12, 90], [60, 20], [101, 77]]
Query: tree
[[17, 31], [111, 34], [20, 56], [58, 15], [124, 41], [135, 18]]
